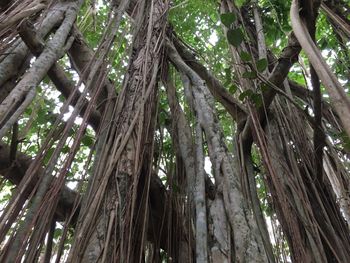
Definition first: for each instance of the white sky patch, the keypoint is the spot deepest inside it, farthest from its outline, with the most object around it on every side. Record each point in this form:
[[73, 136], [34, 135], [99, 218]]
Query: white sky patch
[[328, 53], [207, 165], [4, 195], [213, 39], [67, 115], [278, 42], [99, 4], [72, 185]]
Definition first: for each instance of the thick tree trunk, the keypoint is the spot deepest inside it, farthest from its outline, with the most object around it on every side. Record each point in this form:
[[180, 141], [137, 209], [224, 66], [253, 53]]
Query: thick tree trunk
[[303, 210], [127, 213], [114, 218], [229, 215]]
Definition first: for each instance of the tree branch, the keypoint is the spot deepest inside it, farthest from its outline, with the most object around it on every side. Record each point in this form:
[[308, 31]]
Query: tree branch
[[337, 19], [288, 57], [56, 73], [232, 105], [336, 92], [81, 55], [15, 170]]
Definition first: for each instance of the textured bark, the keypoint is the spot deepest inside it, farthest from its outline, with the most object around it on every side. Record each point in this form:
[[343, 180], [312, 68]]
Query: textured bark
[[193, 158], [81, 56], [337, 175], [109, 224], [10, 65], [14, 170], [30, 10], [337, 17], [126, 202], [57, 74], [304, 203], [232, 105], [246, 241], [248, 170], [336, 92], [289, 205], [55, 49]]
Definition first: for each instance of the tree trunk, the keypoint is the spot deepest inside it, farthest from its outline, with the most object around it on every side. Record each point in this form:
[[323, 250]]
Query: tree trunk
[[144, 194], [113, 224]]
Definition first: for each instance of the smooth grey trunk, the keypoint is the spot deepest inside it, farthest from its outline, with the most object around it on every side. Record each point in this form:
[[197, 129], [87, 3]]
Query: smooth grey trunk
[[193, 158], [199, 199], [247, 242]]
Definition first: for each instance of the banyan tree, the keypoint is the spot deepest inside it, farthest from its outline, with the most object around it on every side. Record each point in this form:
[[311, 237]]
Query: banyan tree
[[174, 131]]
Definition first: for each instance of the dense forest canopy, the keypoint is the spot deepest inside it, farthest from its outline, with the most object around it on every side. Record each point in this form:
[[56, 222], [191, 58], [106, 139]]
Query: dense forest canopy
[[174, 131]]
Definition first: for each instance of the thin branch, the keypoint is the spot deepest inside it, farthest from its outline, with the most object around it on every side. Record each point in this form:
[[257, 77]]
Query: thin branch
[[232, 105], [56, 72], [339, 21], [336, 92], [288, 57]]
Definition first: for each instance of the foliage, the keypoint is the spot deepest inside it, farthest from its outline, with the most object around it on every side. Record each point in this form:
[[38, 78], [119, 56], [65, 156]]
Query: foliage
[[199, 24]]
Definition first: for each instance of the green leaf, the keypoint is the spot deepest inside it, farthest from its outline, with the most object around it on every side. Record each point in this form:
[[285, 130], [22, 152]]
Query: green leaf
[[233, 88], [65, 149], [346, 140], [61, 98], [57, 233], [257, 99], [322, 43], [46, 80], [228, 19], [244, 94], [245, 56], [41, 117], [264, 87], [239, 3], [228, 73], [235, 36], [261, 64], [87, 141], [32, 149], [28, 111], [249, 75], [48, 155]]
